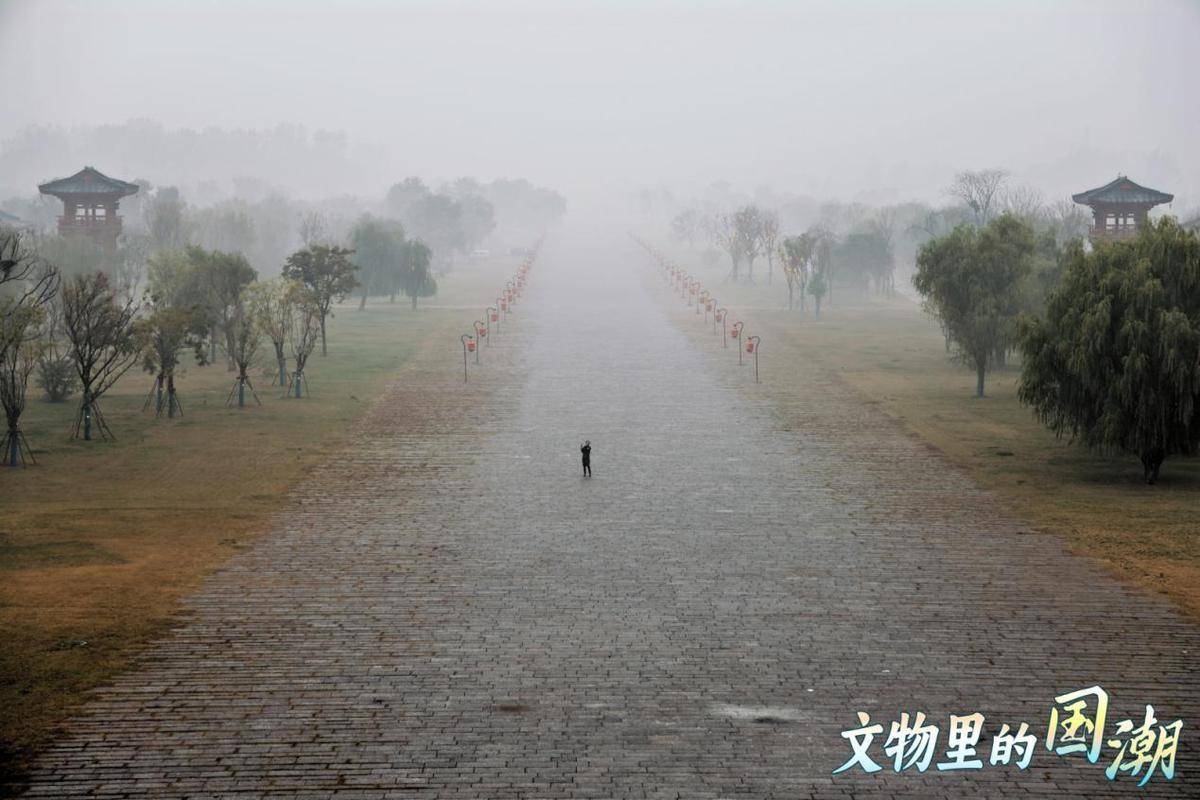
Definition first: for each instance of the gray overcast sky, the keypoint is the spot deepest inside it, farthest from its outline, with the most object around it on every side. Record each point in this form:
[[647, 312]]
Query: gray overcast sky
[[825, 98]]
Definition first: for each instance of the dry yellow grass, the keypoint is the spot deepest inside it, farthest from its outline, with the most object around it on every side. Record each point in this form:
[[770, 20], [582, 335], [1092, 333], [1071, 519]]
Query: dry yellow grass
[[893, 355], [100, 541]]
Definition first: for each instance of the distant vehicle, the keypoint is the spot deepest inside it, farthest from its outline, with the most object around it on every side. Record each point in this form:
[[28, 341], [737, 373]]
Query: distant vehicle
[[478, 254]]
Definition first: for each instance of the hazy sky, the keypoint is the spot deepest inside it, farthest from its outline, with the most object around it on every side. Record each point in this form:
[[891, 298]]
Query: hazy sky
[[818, 97]]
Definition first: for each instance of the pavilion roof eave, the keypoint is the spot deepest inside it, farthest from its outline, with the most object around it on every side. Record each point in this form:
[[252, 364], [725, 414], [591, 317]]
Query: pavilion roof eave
[[1122, 191], [88, 181]]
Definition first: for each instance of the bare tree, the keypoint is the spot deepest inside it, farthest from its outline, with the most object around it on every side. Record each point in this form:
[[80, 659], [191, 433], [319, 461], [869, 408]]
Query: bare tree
[[1024, 202], [770, 240], [16, 364], [314, 228], [26, 281], [748, 223], [1069, 220], [979, 191], [686, 226], [100, 329], [724, 232], [27, 286]]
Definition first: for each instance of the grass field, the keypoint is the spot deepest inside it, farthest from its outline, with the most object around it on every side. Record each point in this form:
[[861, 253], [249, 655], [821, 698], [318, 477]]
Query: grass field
[[894, 355], [101, 540]]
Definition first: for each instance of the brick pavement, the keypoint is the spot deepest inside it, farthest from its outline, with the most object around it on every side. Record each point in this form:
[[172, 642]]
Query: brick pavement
[[450, 610]]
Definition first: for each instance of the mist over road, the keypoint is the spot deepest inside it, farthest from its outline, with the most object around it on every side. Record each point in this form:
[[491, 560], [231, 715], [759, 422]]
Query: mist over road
[[466, 616]]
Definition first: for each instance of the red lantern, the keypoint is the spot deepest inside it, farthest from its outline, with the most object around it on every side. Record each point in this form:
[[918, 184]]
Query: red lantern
[[482, 332], [734, 331], [504, 305], [470, 345], [495, 317], [749, 345]]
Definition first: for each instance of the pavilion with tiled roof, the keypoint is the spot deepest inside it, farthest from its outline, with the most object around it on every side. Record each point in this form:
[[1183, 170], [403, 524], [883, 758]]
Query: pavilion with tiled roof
[[1120, 208], [90, 200]]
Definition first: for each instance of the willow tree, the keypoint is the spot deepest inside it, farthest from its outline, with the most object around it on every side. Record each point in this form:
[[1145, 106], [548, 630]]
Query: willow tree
[[99, 327], [971, 281], [1115, 361], [379, 253], [417, 280]]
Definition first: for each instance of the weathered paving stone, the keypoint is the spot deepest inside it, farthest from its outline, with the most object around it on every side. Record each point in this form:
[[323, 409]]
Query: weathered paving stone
[[449, 610]]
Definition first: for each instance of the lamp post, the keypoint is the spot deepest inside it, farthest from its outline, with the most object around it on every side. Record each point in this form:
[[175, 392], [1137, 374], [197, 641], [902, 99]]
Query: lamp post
[[736, 333], [487, 320], [467, 344], [720, 315], [480, 334], [703, 300], [752, 343]]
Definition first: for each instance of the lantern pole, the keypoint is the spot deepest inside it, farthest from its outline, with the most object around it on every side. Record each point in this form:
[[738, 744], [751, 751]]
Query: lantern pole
[[737, 334], [477, 325], [754, 341], [464, 338], [703, 299], [487, 320], [720, 316], [493, 314]]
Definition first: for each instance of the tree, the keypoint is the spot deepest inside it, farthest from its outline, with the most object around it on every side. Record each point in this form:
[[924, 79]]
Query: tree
[[979, 191], [160, 336], [379, 253], [971, 280], [724, 233], [818, 287], [16, 364], [404, 195], [328, 274], [1115, 361], [686, 226], [99, 327], [795, 253], [27, 286], [477, 221], [437, 220], [865, 258], [417, 280], [770, 238], [165, 217], [247, 335], [55, 369], [226, 227], [748, 224], [223, 276], [314, 228], [273, 304], [302, 335]]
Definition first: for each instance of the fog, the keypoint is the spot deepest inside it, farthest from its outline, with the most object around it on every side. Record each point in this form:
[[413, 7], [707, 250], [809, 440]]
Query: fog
[[869, 101]]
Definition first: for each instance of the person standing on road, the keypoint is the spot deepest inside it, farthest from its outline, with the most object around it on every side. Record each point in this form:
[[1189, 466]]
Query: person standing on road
[[586, 449]]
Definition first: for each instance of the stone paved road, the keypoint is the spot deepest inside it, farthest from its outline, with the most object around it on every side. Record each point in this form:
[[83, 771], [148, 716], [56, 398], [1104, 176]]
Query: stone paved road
[[450, 615]]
